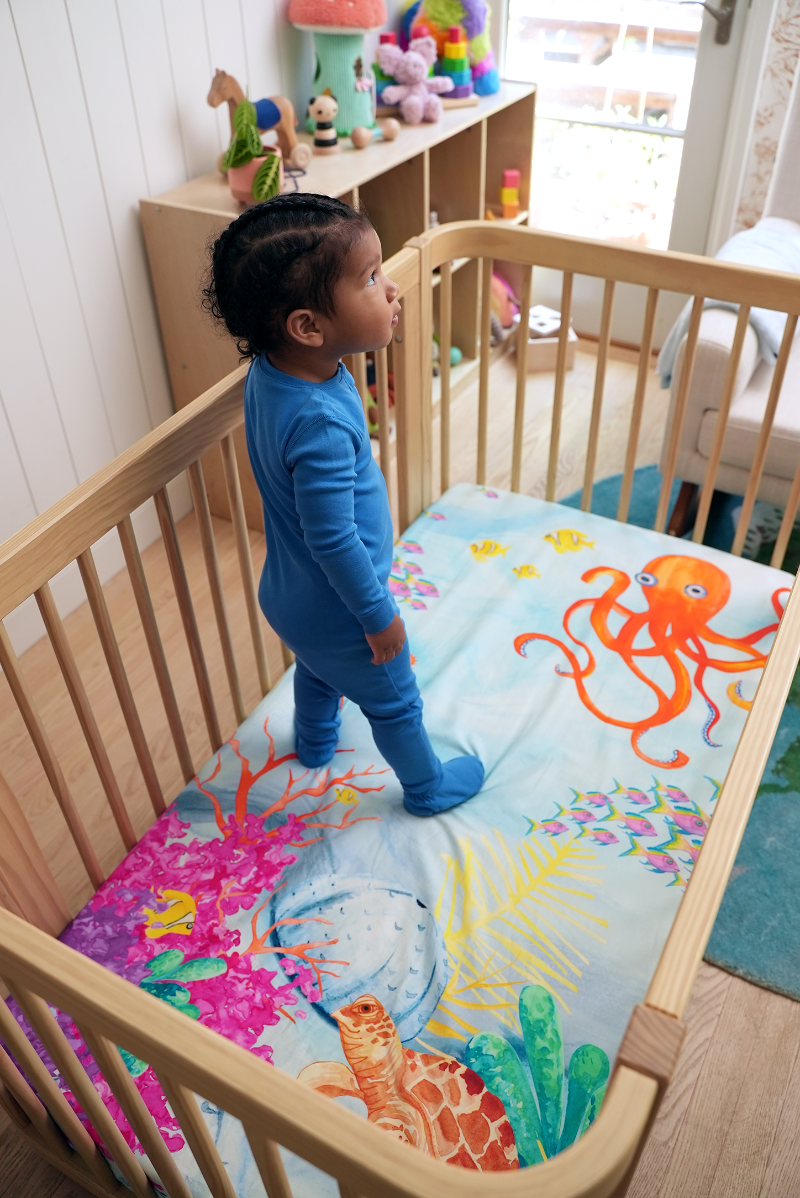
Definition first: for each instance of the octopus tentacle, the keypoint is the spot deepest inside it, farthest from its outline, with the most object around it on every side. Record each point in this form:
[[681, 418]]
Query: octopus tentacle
[[734, 693], [677, 761], [713, 716]]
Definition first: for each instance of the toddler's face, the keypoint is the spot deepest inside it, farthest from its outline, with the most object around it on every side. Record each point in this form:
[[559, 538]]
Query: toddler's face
[[366, 300]]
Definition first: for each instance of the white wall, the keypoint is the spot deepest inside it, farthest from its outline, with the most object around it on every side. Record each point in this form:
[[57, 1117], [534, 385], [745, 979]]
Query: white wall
[[101, 102]]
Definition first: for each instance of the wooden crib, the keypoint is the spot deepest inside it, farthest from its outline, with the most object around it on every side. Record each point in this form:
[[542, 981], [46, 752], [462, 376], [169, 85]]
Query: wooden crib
[[189, 1059]]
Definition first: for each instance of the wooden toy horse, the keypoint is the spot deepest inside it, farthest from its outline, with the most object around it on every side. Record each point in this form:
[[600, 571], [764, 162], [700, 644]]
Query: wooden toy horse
[[275, 112]]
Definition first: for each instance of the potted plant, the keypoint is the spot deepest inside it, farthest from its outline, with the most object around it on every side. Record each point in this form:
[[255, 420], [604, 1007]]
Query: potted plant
[[254, 172]]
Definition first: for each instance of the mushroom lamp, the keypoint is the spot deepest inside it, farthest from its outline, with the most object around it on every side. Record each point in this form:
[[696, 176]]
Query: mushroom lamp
[[339, 27]]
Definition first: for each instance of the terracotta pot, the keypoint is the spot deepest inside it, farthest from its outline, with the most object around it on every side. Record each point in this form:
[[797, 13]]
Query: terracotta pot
[[240, 178]]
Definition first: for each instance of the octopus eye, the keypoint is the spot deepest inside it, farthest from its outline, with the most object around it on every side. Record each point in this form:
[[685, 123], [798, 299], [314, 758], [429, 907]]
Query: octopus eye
[[695, 591], [646, 580]]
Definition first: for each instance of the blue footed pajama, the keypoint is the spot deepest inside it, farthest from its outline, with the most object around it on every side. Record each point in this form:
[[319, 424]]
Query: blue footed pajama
[[324, 583]]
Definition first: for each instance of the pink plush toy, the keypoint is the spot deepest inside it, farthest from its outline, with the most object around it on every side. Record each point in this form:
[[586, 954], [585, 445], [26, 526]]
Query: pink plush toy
[[414, 90]]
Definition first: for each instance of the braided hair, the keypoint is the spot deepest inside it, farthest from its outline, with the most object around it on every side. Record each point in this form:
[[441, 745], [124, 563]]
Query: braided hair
[[284, 254]]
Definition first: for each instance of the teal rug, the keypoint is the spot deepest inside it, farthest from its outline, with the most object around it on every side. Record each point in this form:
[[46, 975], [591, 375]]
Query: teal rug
[[757, 933]]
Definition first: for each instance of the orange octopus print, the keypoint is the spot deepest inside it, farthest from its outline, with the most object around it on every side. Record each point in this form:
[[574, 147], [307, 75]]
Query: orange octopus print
[[683, 594]]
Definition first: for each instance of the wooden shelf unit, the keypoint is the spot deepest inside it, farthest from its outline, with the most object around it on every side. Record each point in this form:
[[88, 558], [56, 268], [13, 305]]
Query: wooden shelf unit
[[453, 167]]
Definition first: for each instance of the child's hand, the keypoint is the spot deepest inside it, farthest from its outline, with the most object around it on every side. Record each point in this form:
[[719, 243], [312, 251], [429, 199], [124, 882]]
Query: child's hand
[[387, 644]]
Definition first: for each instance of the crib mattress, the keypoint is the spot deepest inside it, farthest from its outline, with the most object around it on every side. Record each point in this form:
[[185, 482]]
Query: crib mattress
[[603, 674]]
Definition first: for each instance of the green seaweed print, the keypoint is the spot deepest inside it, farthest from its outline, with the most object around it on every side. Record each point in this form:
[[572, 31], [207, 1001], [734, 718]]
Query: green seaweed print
[[542, 1126], [166, 972]]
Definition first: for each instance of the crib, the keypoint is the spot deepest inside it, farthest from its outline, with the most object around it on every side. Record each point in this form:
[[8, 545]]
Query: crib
[[190, 1060]]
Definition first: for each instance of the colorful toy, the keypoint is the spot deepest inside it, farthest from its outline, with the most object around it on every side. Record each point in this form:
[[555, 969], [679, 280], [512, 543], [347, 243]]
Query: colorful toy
[[509, 194], [361, 137], [436, 17], [339, 27], [322, 112], [273, 112], [414, 90], [381, 79], [455, 64]]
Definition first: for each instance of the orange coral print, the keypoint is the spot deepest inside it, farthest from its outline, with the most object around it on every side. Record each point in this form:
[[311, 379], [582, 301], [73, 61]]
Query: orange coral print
[[434, 1103], [683, 594]]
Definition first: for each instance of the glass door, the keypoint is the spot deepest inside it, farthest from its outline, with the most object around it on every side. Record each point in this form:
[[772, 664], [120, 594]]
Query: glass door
[[614, 82]]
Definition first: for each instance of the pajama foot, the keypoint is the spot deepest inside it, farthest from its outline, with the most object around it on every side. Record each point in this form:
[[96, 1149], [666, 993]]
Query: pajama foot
[[313, 756], [461, 779]]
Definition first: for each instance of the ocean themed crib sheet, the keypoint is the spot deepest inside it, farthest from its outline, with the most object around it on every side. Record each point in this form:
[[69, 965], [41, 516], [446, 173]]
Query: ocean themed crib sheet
[[464, 981]]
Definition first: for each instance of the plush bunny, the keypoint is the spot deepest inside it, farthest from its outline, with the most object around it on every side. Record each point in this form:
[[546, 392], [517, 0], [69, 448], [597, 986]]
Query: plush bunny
[[414, 90]]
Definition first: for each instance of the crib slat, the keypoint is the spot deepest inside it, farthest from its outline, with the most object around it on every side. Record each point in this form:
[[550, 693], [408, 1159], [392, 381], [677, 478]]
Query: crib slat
[[787, 524], [445, 344], [51, 1096], [384, 434], [38, 1014], [359, 363], [679, 415], [31, 1109], [184, 598], [599, 388], [203, 515], [558, 391], [198, 1137], [485, 362], [268, 1158], [116, 668], [345, 1191], [231, 471], [147, 616], [762, 445], [52, 768], [645, 351], [83, 710], [720, 425], [9, 1104], [127, 1095], [522, 377]]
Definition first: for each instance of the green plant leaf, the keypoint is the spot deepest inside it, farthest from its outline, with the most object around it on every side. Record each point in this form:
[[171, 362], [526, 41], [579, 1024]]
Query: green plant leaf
[[541, 1030], [588, 1070], [164, 964], [199, 967], [134, 1066], [267, 182], [245, 118], [493, 1059], [238, 153]]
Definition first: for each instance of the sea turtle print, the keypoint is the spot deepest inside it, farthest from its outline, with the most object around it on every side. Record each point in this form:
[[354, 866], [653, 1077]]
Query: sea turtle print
[[432, 1102]]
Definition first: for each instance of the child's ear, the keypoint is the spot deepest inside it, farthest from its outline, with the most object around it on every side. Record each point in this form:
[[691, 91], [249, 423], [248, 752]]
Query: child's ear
[[303, 329]]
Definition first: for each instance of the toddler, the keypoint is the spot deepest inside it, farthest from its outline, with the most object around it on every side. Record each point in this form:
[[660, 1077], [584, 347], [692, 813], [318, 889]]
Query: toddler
[[298, 282]]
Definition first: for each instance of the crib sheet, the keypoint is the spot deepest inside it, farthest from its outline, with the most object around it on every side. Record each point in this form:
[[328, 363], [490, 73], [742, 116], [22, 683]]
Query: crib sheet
[[603, 674]]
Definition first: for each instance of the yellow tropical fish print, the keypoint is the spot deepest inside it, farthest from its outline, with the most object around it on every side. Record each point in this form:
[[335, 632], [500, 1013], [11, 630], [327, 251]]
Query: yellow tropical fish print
[[526, 572], [346, 794], [568, 540], [483, 550], [179, 916]]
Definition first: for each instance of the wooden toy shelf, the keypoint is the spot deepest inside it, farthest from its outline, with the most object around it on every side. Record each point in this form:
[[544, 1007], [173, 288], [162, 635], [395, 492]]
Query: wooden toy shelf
[[453, 167]]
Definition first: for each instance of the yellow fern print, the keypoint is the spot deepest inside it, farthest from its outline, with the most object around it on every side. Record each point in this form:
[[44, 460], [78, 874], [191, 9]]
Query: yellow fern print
[[502, 916]]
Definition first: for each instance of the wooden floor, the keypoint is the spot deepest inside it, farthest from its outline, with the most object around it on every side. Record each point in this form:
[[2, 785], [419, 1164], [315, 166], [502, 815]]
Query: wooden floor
[[728, 1124]]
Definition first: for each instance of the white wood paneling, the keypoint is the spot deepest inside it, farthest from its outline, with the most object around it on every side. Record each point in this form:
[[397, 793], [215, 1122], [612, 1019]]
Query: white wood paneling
[[101, 102]]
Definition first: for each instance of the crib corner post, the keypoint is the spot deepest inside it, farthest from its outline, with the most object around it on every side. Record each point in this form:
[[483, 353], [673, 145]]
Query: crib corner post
[[651, 1045]]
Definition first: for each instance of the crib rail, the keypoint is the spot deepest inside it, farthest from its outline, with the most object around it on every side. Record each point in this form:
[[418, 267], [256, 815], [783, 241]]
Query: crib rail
[[656, 271], [189, 1060]]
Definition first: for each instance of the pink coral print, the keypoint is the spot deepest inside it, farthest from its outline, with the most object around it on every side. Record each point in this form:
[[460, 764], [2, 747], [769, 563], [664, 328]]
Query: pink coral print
[[163, 918]]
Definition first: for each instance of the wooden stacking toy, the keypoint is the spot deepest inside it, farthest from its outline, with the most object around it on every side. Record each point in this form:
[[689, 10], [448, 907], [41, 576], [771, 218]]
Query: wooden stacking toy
[[509, 195], [456, 64]]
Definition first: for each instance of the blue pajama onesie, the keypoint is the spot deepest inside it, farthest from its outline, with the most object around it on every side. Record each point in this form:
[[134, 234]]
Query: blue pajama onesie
[[323, 586]]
